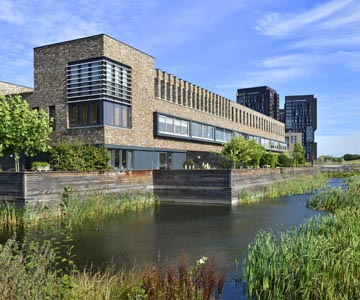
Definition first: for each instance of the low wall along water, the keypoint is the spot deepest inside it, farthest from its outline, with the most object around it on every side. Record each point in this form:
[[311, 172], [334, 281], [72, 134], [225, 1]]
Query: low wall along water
[[187, 186]]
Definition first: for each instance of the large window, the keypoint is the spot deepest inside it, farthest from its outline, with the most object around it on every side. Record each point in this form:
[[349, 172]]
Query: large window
[[223, 135], [173, 125], [85, 114], [122, 159], [116, 114], [99, 78], [99, 86], [202, 131]]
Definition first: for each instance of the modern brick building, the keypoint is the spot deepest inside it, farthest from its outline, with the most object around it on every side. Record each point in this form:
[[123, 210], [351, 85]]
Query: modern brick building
[[262, 99], [103, 91], [301, 116]]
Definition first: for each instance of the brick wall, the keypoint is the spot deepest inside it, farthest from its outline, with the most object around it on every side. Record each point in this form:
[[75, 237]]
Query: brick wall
[[9, 88]]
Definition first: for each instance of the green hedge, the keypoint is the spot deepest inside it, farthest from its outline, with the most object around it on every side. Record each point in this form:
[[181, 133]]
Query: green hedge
[[78, 156]]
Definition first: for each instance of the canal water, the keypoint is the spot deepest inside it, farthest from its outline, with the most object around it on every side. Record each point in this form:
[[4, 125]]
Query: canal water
[[193, 231]]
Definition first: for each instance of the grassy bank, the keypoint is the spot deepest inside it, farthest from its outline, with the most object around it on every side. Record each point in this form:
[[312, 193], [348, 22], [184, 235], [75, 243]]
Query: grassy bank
[[299, 185], [319, 260], [75, 209], [31, 271]]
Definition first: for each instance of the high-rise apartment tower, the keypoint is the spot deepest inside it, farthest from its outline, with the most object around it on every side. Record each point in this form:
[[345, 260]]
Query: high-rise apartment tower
[[301, 116], [262, 99]]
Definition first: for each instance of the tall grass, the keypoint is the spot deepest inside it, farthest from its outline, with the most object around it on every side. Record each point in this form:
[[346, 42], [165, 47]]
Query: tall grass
[[331, 199], [75, 209], [11, 216], [319, 260], [31, 271], [97, 206], [299, 185]]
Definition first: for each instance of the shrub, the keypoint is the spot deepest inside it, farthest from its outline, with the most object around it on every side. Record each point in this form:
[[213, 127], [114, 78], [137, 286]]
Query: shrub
[[36, 165], [78, 156], [284, 160], [27, 271]]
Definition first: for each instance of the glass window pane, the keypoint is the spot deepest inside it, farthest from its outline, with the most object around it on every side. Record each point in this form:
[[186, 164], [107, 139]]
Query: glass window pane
[[116, 158], [117, 115], [130, 158], [162, 124], [177, 126], [125, 116], [74, 115], [95, 113], [123, 159], [169, 125]]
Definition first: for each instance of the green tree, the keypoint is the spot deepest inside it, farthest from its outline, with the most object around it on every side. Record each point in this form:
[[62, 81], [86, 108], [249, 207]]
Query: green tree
[[284, 160], [22, 130], [299, 155], [269, 159], [243, 152]]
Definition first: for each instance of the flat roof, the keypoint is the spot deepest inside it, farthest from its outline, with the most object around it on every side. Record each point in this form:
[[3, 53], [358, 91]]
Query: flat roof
[[91, 37]]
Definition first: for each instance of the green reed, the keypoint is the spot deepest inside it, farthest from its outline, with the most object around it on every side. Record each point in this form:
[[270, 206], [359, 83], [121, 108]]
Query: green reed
[[299, 185], [319, 260], [331, 199], [77, 209], [10, 215]]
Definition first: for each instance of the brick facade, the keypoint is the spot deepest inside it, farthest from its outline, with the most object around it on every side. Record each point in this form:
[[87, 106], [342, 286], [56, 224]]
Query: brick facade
[[181, 99]]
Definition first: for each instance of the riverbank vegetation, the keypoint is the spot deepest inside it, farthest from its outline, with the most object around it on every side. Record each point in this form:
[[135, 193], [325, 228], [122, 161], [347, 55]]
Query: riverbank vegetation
[[299, 185], [31, 270], [319, 260], [75, 209]]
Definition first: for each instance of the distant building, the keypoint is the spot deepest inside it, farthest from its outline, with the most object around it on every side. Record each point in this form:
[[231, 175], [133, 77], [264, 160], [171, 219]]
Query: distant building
[[301, 116], [262, 99], [291, 138], [282, 115]]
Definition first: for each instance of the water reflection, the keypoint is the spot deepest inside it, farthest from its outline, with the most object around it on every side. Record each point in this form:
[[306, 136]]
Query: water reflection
[[173, 230]]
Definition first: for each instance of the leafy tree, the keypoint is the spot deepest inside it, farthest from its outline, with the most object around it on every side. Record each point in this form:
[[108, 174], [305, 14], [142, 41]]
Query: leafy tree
[[256, 152], [284, 160], [269, 159], [299, 154], [243, 152], [22, 130], [348, 157], [78, 156]]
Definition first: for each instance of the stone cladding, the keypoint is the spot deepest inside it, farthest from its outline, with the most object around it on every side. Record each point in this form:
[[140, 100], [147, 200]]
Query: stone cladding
[[9, 88]]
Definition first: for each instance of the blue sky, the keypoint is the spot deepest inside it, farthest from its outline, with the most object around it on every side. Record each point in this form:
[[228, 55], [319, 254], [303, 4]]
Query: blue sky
[[295, 47]]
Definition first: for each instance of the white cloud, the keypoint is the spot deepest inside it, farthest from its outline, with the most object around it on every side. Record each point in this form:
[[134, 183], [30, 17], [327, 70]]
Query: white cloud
[[10, 12], [277, 25]]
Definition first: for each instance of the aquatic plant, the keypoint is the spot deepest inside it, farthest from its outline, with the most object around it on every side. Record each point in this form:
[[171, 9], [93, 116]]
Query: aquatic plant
[[299, 185], [319, 260], [76, 209], [10, 215], [331, 199]]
